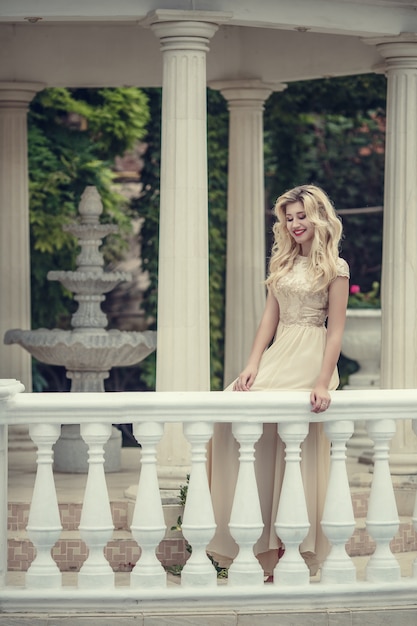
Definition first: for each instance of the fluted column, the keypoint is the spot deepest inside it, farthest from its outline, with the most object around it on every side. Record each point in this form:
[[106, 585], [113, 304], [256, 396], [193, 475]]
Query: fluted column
[[399, 257], [183, 346], [14, 232], [245, 292]]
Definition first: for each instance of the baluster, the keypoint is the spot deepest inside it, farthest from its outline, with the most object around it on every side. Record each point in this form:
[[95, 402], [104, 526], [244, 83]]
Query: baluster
[[246, 518], [148, 524], [338, 521], [96, 523], [414, 518], [9, 387], [198, 525], [382, 520], [292, 518], [44, 524]]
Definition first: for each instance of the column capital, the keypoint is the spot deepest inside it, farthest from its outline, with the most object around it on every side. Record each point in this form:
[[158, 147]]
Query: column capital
[[246, 89], [18, 94], [171, 26], [398, 52]]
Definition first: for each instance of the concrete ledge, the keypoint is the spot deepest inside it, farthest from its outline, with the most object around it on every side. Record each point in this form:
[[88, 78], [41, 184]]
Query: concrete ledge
[[342, 617]]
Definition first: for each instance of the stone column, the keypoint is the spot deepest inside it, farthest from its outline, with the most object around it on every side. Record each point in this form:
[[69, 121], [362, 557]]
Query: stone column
[[183, 345], [399, 260], [14, 232], [245, 292]]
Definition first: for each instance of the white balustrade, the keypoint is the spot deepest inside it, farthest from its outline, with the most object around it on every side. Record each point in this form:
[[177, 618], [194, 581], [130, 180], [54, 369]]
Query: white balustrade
[[292, 522], [338, 520], [96, 523], [148, 524], [246, 518], [382, 520], [198, 411], [44, 524], [198, 524], [414, 518], [8, 388]]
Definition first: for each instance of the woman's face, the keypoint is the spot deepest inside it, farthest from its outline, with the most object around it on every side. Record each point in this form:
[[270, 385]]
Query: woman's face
[[299, 227]]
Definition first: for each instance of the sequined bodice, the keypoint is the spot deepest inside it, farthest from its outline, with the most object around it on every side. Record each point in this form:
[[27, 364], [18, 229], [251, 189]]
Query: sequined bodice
[[298, 304]]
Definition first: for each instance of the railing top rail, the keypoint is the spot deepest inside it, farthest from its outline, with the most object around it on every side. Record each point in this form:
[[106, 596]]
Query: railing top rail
[[183, 406]]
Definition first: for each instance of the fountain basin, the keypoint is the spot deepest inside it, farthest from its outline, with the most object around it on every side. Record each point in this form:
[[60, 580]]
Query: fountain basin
[[90, 283], [87, 357], [78, 351]]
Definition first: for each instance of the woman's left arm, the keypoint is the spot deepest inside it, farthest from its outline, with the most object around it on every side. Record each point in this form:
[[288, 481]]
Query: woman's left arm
[[338, 298]]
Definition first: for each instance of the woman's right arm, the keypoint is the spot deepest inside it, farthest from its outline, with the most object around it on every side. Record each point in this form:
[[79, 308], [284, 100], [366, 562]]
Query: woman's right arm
[[264, 335]]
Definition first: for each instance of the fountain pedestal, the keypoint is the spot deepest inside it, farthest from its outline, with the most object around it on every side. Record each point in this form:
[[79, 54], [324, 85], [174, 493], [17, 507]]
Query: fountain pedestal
[[71, 451], [89, 351]]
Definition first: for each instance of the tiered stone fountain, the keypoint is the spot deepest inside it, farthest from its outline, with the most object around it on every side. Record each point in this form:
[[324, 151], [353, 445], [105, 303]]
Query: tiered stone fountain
[[89, 351]]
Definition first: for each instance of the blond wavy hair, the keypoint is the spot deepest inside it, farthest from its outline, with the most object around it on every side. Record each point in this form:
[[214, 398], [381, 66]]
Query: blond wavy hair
[[324, 251]]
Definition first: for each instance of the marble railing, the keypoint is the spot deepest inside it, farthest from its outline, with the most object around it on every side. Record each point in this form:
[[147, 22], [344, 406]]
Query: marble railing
[[95, 588]]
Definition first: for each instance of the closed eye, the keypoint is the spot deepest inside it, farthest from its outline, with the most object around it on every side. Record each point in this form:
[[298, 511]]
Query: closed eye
[[300, 216]]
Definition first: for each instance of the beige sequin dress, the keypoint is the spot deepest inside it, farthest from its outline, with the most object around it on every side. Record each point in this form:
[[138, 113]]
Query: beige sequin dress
[[292, 362]]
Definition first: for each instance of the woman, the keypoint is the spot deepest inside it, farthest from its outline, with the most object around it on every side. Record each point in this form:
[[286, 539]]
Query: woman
[[308, 285]]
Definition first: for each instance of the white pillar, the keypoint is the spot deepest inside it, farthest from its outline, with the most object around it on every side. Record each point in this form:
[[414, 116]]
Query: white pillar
[[399, 259], [148, 524], [183, 344], [96, 523], [338, 521], [198, 524], [245, 292], [44, 524], [14, 232], [292, 523], [246, 523], [382, 522]]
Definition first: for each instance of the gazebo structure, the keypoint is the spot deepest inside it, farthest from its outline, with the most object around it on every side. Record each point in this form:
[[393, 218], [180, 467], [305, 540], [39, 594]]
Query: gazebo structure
[[246, 50]]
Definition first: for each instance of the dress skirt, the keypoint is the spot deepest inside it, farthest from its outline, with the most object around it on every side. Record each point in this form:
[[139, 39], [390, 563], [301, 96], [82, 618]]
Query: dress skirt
[[292, 362]]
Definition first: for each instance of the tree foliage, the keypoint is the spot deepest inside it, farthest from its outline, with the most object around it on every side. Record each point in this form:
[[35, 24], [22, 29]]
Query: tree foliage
[[147, 206], [331, 133], [218, 135]]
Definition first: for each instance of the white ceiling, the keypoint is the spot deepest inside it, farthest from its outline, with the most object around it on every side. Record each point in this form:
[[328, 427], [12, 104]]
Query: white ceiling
[[107, 43]]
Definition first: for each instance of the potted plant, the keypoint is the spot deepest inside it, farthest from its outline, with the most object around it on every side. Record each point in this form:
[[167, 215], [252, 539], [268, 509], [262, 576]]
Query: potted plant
[[362, 336]]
